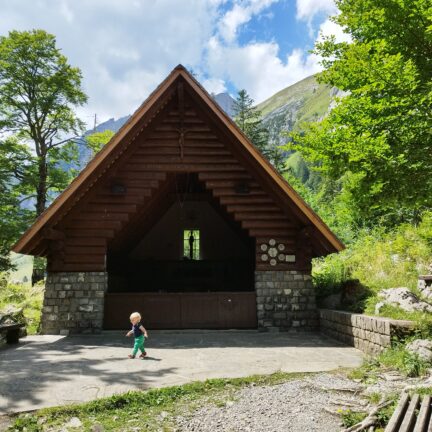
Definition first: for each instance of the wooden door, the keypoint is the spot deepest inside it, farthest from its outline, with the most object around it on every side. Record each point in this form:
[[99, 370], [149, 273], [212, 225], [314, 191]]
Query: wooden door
[[182, 310]]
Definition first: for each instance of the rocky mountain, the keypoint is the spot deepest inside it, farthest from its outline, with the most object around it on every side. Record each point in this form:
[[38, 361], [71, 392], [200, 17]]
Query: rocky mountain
[[304, 101]]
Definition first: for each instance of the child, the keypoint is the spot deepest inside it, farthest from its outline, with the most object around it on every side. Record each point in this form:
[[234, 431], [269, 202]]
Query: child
[[139, 333]]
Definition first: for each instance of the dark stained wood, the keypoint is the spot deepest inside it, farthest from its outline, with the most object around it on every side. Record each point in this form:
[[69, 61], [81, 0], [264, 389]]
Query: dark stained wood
[[52, 234], [181, 116], [259, 216], [181, 139], [182, 310]]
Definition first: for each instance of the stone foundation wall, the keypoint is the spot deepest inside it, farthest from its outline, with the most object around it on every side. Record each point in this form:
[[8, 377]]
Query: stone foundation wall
[[369, 334], [74, 303], [285, 299]]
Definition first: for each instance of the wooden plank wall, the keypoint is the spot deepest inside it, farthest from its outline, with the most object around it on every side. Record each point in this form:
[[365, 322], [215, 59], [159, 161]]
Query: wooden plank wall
[[182, 142]]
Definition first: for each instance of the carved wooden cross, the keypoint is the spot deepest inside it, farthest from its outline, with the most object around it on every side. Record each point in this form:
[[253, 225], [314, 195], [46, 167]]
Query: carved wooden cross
[[182, 130]]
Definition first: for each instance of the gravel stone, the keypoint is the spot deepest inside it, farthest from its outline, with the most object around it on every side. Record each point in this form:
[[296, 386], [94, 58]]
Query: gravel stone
[[294, 406]]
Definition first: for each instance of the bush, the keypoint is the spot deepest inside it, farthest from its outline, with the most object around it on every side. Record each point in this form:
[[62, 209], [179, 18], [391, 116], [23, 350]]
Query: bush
[[379, 260], [24, 297]]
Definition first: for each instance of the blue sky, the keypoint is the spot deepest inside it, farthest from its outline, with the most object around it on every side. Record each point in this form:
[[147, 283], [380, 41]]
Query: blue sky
[[125, 48]]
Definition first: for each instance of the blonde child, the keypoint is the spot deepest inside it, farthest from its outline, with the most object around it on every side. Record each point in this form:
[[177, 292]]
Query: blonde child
[[139, 333]]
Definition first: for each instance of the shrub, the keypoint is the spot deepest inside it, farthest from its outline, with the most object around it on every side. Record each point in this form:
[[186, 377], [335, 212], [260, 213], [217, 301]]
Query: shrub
[[24, 297], [379, 260]]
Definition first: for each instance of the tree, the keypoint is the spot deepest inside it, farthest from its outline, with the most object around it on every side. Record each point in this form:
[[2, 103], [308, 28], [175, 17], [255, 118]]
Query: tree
[[249, 120], [97, 140], [379, 135], [14, 189], [38, 91]]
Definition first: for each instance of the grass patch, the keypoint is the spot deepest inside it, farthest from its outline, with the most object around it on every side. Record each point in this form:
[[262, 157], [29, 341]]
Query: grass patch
[[151, 410], [379, 259], [350, 418], [394, 358], [25, 297], [423, 391]]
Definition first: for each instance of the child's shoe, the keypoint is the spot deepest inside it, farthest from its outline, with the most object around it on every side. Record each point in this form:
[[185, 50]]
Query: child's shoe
[[131, 356], [142, 355]]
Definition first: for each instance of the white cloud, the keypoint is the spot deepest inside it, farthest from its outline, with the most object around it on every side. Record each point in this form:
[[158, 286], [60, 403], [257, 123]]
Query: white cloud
[[240, 14], [307, 9], [124, 48], [214, 85], [257, 68], [328, 28]]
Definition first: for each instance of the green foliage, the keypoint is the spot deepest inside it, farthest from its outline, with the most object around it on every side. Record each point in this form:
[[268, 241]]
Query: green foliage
[[393, 358], [327, 197], [248, 119], [97, 140], [24, 297], [402, 360], [350, 418], [38, 91], [15, 174], [379, 133], [143, 408], [380, 259]]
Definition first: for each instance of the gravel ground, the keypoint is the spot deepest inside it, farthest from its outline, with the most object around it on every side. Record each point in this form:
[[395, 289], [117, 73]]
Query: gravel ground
[[296, 405]]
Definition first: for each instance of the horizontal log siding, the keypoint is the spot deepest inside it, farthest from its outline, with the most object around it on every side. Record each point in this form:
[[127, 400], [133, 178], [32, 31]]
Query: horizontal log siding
[[154, 155]]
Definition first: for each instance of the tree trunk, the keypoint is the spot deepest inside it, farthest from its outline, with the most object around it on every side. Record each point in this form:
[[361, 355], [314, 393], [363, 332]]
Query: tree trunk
[[41, 189], [38, 272]]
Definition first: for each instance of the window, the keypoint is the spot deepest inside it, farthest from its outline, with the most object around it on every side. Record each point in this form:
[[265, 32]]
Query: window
[[191, 244]]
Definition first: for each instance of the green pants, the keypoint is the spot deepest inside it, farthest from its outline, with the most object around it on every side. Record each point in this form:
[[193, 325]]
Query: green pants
[[138, 345]]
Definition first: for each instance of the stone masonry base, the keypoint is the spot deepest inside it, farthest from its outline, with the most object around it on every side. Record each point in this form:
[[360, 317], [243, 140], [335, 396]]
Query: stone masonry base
[[73, 303], [366, 333], [285, 299]]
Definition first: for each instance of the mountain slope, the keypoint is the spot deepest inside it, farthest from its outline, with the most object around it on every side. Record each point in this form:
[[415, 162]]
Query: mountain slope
[[304, 101]]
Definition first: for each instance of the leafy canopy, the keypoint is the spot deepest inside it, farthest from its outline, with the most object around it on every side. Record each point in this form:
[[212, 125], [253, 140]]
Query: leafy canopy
[[379, 135], [97, 140], [38, 92], [38, 129], [15, 173], [249, 119]]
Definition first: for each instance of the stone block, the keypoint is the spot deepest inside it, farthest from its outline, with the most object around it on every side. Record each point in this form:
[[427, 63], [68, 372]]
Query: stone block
[[384, 340]]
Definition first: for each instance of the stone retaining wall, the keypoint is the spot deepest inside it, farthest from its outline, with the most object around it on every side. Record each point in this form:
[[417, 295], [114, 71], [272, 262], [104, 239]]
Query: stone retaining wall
[[285, 299], [73, 303], [369, 334]]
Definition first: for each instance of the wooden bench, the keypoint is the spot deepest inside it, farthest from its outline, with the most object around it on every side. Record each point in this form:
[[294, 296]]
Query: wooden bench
[[412, 414], [12, 332]]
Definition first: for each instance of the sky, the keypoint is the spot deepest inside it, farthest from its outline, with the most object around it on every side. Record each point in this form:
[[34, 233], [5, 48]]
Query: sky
[[125, 48]]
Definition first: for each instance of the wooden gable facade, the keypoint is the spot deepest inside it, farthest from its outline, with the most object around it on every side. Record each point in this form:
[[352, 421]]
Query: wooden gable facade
[[179, 164]]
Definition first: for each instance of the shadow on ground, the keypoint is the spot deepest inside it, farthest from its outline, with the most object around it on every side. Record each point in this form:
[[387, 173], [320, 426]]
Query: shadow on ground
[[52, 370], [32, 365]]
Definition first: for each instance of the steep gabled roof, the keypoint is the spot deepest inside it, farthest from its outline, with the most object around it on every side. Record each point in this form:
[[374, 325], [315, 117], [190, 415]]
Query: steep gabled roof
[[72, 192]]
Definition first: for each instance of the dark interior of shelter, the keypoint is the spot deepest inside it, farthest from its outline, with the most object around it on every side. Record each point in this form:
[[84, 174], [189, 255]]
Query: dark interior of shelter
[[188, 243]]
